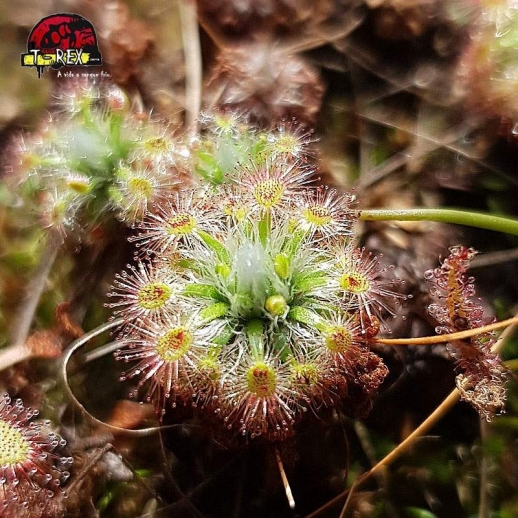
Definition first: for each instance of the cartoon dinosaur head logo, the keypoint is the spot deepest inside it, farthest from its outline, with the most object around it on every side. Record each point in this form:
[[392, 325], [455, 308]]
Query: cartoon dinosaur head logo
[[62, 40]]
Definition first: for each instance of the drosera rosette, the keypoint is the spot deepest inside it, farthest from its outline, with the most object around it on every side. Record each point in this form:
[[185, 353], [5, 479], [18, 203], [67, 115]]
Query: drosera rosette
[[273, 187], [81, 95], [313, 376], [185, 216], [32, 471], [289, 141], [58, 212], [482, 376], [225, 142], [257, 397], [228, 144], [326, 214], [28, 153], [347, 348], [137, 187], [157, 143], [257, 277], [342, 337], [97, 158], [339, 359], [487, 72]]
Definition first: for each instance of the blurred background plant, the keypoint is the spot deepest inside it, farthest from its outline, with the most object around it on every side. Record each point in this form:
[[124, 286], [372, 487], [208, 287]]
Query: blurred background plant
[[406, 104]]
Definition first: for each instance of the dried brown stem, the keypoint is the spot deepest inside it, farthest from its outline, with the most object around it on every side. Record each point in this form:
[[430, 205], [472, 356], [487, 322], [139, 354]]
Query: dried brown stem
[[284, 478], [25, 316], [439, 339], [193, 64]]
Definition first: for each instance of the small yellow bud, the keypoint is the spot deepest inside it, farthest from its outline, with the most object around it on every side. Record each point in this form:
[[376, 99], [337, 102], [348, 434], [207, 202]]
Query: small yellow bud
[[276, 305], [223, 270]]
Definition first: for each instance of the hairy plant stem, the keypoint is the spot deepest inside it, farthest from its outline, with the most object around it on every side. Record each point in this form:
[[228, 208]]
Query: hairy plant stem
[[410, 441], [458, 217]]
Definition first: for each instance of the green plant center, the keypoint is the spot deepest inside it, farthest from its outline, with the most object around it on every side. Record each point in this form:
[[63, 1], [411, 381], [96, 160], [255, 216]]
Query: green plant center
[[268, 193], [338, 339], [181, 224], [140, 187], [14, 448], [58, 211], [210, 369], [224, 123], [261, 380], [236, 210], [354, 282], [154, 295], [317, 215], [29, 160], [174, 344]]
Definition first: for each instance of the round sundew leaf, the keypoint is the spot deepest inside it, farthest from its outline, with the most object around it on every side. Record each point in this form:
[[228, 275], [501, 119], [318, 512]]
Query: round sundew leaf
[[261, 380], [174, 344], [154, 295]]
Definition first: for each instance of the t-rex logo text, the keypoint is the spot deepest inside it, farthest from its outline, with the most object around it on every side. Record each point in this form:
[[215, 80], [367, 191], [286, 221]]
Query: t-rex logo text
[[62, 40]]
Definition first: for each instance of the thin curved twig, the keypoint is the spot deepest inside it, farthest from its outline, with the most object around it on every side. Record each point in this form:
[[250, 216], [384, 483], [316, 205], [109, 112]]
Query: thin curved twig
[[63, 372], [439, 339]]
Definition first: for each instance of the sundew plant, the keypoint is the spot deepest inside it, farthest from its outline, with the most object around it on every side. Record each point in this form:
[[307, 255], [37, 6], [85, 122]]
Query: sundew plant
[[253, 300], [247, 295]]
